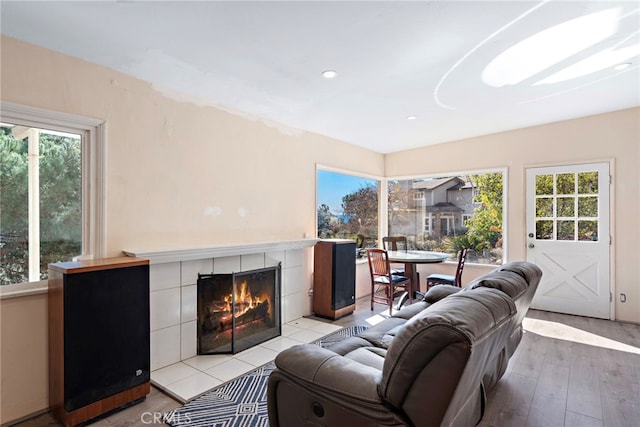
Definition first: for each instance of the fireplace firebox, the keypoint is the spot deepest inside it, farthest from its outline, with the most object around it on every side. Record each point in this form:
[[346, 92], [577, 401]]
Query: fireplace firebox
[[237, 311]]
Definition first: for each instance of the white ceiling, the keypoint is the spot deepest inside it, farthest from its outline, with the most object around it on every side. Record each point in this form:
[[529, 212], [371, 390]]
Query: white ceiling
[[394, 60]]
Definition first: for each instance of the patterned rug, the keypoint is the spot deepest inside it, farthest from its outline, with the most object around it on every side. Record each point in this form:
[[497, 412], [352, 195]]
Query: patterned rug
[[241, 402]]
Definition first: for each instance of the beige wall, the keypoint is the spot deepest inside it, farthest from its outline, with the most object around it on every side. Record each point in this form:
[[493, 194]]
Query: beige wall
[[168, 161], [24, 356], [613, 137]]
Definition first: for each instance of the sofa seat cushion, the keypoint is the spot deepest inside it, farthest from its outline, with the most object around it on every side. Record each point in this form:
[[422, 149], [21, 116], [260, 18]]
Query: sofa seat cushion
[[408, 311], [389, 336], [370, 356], [377, 335], [348, 345]]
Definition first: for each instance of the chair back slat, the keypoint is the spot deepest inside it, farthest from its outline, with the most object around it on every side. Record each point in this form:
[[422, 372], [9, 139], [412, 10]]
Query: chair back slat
[[378, 262], [395, 243], [462, 256]]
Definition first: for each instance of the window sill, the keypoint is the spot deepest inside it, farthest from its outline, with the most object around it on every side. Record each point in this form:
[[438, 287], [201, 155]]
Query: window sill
[[23, 289]]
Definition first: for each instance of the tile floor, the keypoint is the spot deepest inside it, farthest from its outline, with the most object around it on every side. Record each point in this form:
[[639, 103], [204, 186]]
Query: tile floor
[[193, 377]]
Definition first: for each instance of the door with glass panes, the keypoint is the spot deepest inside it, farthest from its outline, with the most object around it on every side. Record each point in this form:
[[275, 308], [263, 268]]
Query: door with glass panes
[[567, 215]]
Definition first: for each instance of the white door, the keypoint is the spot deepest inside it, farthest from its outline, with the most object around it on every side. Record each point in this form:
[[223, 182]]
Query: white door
[[567, 212]]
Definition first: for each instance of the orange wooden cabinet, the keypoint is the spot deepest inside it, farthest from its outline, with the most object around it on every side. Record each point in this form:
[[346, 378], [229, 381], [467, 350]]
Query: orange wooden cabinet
[[99, 336], [334, 278]]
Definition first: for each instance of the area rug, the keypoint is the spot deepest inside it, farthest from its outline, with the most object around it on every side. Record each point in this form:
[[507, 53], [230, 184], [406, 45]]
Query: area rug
[[241, 402]]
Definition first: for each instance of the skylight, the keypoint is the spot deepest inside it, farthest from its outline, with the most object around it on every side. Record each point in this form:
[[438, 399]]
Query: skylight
[[606, 59], [553, 45]]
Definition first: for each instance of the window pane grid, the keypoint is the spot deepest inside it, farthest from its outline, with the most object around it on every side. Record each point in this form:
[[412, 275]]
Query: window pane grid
[[567, 206]]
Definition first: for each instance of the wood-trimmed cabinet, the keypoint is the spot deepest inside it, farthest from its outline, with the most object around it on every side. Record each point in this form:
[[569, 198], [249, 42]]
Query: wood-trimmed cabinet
[[99, 336], [334, 278]]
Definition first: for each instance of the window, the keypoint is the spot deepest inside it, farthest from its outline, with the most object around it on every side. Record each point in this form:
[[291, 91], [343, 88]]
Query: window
[[447, 224], [347, 208], [51, 191], [428, 220], [463, 211]]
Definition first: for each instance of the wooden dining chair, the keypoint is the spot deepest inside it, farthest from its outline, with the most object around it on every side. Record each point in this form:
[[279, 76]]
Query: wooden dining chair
[[446, 279], [395, 243], [383, 282]]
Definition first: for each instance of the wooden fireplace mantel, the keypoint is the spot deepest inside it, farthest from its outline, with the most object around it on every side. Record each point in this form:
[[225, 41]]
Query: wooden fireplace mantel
[[159, 256]]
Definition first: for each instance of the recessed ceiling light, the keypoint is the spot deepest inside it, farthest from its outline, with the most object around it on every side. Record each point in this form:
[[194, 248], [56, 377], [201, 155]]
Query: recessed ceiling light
[[329, 74], [412, 117], [622, 66]]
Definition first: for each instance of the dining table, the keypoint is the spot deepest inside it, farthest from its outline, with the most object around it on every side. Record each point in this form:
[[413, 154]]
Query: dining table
[[410, 259]]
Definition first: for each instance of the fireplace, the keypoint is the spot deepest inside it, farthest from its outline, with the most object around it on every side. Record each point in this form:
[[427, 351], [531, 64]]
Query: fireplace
[[237, 311]]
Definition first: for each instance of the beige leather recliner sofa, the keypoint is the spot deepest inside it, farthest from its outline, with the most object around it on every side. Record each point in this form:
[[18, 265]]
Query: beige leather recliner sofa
[[428, 365]]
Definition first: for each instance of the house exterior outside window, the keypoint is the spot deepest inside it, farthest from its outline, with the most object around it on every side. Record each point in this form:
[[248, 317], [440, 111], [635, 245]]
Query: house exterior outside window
[[446, 214]]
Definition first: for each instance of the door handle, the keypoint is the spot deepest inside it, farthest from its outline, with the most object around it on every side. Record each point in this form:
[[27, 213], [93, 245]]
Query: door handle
[[531, 245]]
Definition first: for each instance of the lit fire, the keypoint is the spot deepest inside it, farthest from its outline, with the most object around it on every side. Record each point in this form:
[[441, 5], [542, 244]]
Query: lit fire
[[244, 301]]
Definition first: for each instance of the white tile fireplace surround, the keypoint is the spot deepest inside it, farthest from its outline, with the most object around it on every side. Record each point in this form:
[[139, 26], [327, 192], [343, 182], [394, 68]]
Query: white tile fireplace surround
[[173, 277]]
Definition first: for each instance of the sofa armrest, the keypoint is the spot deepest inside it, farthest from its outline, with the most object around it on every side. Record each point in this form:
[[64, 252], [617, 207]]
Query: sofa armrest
[[315, 386], [321, 368]]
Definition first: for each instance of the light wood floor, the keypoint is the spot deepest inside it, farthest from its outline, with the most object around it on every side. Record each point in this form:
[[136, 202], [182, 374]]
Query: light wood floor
[[568, 371]]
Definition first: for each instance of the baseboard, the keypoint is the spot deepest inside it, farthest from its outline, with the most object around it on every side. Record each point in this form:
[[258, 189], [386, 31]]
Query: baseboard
[[25, 418]]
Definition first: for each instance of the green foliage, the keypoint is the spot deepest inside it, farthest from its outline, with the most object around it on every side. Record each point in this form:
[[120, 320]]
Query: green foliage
[[486, 224], [544, 184], [361, 207], [454, 244], [13, 182], [60, 189]]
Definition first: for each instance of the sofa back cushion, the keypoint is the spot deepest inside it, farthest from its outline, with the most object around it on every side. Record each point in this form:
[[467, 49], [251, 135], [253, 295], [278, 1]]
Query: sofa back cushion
[[436, 362], [519, 280], [508, 282], [530, 272]]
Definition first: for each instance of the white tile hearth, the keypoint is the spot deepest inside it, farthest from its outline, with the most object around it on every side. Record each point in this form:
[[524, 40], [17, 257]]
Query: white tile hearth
[[257, 356], [194, 376], [229, 369]]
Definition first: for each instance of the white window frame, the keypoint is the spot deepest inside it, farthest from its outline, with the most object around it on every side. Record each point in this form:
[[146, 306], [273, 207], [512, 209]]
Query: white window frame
[[428, 219], [94, 205]]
